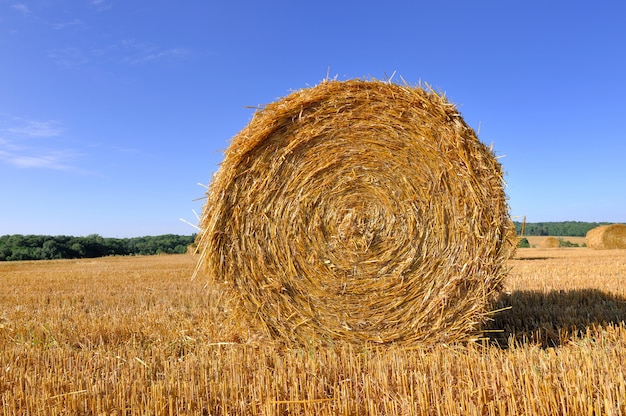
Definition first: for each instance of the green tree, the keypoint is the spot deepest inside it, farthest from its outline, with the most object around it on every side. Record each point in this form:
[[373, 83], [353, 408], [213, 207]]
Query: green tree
[[50, 250], [78, 249]]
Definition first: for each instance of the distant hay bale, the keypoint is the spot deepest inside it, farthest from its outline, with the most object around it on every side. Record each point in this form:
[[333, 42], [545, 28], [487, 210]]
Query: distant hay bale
[[607, 237], [192, 249], [359, 211], [551, 242]]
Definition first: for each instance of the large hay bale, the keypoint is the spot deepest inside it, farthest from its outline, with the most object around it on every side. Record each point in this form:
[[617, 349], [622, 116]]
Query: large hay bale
[[607, 237], [362, 211]]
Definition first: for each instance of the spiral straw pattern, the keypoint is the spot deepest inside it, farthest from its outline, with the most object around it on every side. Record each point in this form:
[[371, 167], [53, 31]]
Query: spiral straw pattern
[[362, 211]]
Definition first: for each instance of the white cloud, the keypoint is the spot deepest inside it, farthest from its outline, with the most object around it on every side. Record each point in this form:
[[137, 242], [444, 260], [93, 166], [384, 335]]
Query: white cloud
[[64, 25], [6, 144], [68, 57], [57, 160], [145, 52], [156, 55], [22, 8], [31, 128], [100, 5], [20, 144], [129, 52]]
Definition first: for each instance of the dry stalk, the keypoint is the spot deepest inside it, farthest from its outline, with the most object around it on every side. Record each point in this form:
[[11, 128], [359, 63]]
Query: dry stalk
[[362, 211]]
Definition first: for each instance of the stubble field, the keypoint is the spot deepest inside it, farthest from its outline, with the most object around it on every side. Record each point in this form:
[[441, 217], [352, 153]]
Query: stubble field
[[136, 336]]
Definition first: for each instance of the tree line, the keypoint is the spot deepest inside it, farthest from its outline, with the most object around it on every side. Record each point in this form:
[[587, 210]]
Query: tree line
[[44, 247], [561, 229]]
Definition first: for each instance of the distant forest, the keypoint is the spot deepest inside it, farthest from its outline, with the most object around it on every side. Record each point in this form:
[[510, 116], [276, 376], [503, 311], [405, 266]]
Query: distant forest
[[558, 229], [43, 247]]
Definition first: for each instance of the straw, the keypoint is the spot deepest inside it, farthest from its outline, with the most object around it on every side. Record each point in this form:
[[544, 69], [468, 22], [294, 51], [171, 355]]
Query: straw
[[362, 211]]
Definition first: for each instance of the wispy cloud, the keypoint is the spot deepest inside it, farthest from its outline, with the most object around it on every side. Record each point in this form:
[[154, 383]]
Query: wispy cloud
[[69, 57], [100, 5], [145, 52], [65, 25], [21, 144], [22, 8], [31, 128], [129, 52], [57, 160], [161, 54]]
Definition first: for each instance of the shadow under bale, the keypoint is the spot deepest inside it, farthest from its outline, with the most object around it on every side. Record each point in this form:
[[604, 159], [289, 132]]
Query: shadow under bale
[[552, 319]]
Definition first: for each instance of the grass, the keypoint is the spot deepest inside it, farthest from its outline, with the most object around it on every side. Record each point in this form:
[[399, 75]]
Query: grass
[[135, 336]]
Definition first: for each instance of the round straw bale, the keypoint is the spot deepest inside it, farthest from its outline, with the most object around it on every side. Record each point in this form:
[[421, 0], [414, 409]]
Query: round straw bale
[[361, 211], [607, 237], [192, 249], [551, 242]]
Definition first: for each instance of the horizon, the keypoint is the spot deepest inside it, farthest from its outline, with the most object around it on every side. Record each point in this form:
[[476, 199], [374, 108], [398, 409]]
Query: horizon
[[197, 231]]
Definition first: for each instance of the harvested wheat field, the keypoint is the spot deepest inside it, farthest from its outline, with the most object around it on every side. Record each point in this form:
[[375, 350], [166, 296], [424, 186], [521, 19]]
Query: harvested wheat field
[[361, 211], [137, 336]]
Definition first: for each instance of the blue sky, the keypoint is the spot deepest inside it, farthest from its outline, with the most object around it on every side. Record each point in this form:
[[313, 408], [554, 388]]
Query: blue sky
[[112, 112]]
